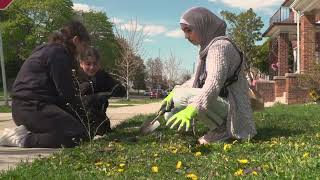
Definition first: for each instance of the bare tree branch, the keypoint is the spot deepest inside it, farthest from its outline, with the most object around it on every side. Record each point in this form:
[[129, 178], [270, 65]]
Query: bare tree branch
[[172, 70], [130, 38]]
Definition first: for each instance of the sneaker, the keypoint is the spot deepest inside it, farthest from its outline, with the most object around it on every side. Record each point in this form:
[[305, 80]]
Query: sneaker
[[214, 136], [14, 137]]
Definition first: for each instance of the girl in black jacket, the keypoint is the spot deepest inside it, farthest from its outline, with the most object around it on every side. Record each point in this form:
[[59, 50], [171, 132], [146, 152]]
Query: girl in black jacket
[[94, 81], [43, 93]]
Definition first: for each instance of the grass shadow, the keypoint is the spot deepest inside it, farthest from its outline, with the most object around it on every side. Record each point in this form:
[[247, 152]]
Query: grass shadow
[[266, 133]]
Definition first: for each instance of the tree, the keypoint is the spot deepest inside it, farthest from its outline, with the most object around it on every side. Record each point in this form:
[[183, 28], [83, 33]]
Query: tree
[[129, 39], [155, 73], [102, 36], [261, 59], [244, 30], [27, 24], [140, 76], [185, 76], [172, 70]]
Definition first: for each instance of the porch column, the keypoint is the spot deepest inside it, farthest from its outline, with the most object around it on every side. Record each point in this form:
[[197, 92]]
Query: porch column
[[283, 47], [307, 42]]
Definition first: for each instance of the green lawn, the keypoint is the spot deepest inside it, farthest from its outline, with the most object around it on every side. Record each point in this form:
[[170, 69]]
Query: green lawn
[[287, 147], [5, 109], [136, 101], [118, 106]]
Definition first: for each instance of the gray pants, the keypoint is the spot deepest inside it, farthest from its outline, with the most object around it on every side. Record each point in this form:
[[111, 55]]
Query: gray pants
[[213, 117]]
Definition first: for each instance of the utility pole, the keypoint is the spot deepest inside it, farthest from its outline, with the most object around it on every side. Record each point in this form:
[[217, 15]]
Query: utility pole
[[3, 72], [4, 4]]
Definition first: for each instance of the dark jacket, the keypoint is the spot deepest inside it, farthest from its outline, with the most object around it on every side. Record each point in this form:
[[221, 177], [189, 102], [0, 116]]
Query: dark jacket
[[95, 102], [46, 76], [101, 82]]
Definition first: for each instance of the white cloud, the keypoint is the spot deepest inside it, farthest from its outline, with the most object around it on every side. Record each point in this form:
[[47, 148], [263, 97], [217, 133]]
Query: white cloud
[[130, 26], [255, 4], [148, 40], [153, 30], [81, 7], [175, 33], [150, 29]]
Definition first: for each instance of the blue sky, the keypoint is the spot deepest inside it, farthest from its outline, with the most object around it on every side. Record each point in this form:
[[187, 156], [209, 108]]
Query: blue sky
[[160, 19]]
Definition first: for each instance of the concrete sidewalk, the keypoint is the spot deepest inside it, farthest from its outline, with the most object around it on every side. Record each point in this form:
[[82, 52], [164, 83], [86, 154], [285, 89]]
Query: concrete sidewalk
[[10, 156]]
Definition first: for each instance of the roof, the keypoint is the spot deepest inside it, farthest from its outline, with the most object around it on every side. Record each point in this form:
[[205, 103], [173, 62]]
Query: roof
[[274, 25]]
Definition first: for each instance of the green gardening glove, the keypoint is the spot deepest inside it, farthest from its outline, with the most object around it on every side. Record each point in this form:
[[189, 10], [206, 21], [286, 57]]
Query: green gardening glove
[[167, 102], [183, 117]]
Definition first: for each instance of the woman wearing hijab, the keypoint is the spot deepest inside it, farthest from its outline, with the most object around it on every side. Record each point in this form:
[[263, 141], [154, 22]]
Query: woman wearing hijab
[[225, 109]]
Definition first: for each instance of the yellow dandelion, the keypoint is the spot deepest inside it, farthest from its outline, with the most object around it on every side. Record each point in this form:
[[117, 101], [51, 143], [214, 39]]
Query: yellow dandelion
[[197, 153], [98, 163], [305, 155], [155, 155], [174, 150], [155, 169], [243, 161], [120, 170], [192, 176], [179, 164], [226, 147], [122, 165], [239, 172], [254, 173]]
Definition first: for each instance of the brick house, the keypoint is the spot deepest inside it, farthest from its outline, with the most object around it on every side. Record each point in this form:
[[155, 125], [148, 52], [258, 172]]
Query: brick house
[[294, 33]]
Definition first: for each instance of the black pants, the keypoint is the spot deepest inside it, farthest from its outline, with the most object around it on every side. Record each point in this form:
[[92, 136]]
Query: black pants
[[50, 125]]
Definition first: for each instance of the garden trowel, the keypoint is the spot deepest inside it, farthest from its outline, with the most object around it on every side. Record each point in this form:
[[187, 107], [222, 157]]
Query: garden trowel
[[149, 126]]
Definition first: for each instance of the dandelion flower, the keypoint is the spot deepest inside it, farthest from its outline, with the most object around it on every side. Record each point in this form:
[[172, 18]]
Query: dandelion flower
[[192, 176], [174, 150], [120, 170], [155, 169], [198, 153], [122, 165], [226, 147], [98, 163], [243, 161], [155, 155], [305, 155], [254, 173], [179, 164], [239, 172]]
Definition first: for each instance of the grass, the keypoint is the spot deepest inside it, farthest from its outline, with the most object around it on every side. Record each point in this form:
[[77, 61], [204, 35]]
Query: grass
[[118, 106], [5, 109], [287, 147], [136, 101]]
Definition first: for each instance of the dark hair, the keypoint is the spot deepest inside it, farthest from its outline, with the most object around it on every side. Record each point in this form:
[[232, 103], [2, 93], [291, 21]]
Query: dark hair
[[90, 52], [66, 34]]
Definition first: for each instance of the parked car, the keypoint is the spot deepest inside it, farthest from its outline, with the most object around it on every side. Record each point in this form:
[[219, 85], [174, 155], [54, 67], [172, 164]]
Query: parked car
[[146, 93], [157, 93]]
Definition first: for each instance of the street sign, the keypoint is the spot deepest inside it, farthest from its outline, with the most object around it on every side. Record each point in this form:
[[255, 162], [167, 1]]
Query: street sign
[[4, 4]]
